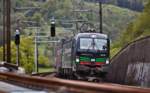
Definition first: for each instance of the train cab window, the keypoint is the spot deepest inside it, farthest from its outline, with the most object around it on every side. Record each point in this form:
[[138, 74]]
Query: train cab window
[[93, 44], [85, 43], [100, 44]]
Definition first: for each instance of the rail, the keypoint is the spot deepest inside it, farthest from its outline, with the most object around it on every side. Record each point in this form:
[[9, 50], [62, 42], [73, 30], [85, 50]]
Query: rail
[[68, 85], [2, 91]]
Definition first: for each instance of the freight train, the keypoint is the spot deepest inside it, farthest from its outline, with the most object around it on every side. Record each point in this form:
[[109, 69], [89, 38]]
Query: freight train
[[85, 55]]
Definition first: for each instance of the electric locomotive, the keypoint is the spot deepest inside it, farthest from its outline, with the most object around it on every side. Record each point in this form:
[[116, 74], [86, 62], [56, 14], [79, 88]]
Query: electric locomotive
[[85, 55]]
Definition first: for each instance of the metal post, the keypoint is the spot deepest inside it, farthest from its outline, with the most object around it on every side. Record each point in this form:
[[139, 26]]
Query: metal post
[[37, 59], [100, 18], [77, 26], [8, 28], [17, 42], [36, 52], [17, 55], [75, 16], [4, 5], [53, 50], [35, 56]]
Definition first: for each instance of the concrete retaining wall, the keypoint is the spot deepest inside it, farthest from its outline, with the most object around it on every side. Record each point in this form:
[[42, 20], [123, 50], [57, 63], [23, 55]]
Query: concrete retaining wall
[[132, 64]]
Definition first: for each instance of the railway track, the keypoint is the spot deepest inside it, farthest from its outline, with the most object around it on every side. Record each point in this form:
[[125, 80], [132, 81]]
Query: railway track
[[63, 86], [75, 77]]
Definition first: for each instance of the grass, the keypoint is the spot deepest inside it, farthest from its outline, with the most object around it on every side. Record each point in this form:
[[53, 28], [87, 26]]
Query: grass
[[42, 69]]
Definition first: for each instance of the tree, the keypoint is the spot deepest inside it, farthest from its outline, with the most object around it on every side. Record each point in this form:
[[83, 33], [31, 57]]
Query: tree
[[137, 29], [26, 54]]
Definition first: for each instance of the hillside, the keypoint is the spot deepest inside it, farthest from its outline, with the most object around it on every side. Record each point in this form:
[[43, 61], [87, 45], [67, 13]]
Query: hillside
[[137, 29], [114, 18], [136, 5]]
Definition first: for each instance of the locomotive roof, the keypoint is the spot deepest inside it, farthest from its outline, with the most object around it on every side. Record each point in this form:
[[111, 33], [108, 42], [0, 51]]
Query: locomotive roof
[[99, 35]]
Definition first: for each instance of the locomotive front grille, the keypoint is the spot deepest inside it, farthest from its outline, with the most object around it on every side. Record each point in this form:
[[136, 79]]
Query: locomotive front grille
[[90, 60]]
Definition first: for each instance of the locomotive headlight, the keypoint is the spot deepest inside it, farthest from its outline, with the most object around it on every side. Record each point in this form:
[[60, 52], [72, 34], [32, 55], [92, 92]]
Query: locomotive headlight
[[93, 36], [77, 60], [92, 60], [107, 61]]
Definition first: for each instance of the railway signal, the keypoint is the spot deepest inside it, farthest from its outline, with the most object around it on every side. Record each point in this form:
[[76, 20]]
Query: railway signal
[[17, 37], [17, 42], [53, 28]]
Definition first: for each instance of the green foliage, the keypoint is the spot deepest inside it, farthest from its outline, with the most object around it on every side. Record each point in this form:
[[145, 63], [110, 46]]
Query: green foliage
[[1, 53], [137, 29], [45, 69], [115, 19], [37, 17], [19, 3], [44, 61], [114, 51], [26, 55], [62, 9]]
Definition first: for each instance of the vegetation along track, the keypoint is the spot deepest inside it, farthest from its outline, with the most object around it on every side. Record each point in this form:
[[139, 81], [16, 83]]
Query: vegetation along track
[[68, 86]]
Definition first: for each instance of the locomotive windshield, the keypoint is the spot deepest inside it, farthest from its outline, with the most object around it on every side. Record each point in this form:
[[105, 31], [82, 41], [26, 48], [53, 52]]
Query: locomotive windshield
[[85, 43], [100, 44], [93, 44]]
